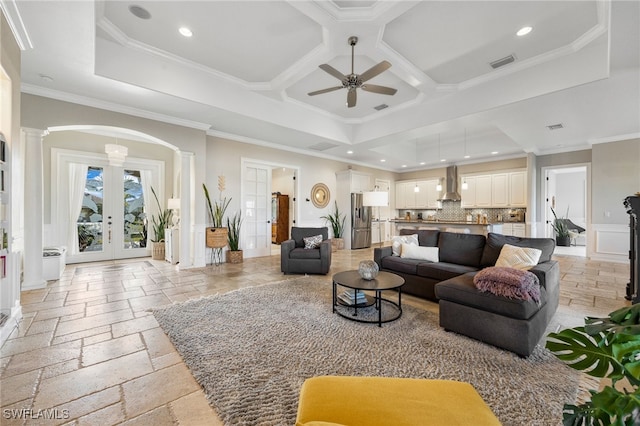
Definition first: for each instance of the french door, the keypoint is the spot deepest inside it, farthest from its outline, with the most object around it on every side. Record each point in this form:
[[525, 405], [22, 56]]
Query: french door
[[109, 208], [256, 201]]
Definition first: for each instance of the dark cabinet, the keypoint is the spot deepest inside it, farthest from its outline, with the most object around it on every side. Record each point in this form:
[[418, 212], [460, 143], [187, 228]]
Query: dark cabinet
[[279, 218]]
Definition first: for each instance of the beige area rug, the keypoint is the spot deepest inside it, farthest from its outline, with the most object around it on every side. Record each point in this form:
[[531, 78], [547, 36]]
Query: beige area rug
[[252, 349]]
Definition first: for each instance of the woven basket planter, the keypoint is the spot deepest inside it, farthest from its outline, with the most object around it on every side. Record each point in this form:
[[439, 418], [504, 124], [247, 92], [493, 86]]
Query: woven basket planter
[[157, 250], [217, 237], [337, 244], [234, 256]]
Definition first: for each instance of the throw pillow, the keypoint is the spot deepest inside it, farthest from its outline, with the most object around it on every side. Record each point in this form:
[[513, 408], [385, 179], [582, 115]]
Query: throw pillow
[[412, 251], [518, 257], [312, 242], [398, 240]]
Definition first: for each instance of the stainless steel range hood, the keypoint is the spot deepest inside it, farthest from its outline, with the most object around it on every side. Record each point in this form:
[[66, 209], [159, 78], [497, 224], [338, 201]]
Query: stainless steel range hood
[[451, 193]]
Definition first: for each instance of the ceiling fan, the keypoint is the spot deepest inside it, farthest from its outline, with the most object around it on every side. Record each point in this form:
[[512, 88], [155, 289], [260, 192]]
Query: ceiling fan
[[355, 81]]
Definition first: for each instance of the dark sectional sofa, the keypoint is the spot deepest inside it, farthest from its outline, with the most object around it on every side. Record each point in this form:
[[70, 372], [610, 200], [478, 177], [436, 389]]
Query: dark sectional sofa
[[512, 324]]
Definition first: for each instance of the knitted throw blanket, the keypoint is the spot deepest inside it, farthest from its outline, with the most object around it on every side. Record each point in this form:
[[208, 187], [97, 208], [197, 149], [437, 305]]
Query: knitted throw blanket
[[508, 282]]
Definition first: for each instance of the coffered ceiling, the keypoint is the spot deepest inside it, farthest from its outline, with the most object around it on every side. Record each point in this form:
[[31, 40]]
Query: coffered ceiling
[[247, 68]]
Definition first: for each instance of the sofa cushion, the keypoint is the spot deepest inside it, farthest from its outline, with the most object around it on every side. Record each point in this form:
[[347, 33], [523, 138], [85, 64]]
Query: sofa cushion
[[495, 242], [302, 253], [518, 257], [461, 249], [461, 290], [398, 240], [397, 264], [418, 252], [442, 271], [426, 237]]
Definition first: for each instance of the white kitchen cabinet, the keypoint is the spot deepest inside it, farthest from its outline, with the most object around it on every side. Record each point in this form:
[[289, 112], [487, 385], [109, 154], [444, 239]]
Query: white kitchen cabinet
[[483, 191], [497, 190], [468, 195], [515, 229], [500, 190], [422, 195], [426, 197], [518, 189]]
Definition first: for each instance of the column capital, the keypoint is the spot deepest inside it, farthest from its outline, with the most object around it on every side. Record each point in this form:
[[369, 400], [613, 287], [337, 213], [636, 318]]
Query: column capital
[[186, 154], [30, 131]]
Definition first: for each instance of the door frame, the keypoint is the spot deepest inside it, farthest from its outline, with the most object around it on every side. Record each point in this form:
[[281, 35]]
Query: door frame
[[546, 214], [294, 199], [59, 199]]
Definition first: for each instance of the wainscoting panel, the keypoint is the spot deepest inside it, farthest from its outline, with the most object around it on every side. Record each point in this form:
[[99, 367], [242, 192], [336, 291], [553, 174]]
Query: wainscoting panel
[[610, 243]]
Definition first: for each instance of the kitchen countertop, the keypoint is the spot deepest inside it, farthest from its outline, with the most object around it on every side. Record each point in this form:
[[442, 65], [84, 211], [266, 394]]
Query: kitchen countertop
[[443, 222]]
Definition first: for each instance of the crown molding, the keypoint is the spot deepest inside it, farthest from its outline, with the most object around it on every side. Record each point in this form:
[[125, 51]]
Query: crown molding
[[12, 14], [110, 106]]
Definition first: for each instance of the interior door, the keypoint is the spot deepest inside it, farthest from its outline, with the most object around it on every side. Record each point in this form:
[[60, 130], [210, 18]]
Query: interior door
[[256, 210]]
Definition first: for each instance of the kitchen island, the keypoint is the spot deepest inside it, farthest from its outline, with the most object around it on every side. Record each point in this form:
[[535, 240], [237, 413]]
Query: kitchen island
[[449, 226]]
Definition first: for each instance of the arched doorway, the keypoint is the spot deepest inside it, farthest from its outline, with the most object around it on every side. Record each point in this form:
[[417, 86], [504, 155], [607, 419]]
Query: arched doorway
[[102, 209]]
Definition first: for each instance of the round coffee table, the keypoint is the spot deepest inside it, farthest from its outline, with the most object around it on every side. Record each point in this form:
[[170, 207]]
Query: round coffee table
[[352, 280]]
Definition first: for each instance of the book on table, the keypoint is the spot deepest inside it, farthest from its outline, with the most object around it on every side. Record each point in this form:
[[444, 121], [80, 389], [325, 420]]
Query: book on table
[[353, 297]]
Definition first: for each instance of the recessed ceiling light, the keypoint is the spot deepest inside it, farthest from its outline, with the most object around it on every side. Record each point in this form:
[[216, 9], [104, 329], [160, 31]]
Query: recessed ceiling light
[[185, 31], [422, 163], [442, 160], [383, 160], [524, 31], [403, 166], [467, 156], [494, 152], [139, 11], [349, 152]]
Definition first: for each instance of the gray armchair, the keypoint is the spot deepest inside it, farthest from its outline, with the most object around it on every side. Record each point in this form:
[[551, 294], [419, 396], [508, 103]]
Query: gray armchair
[[295, 259]]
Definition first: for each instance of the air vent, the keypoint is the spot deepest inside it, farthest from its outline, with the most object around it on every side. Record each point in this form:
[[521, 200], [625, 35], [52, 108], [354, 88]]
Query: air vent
[[322, 146], [139, 11], [381, 107], [555, 126], [502, 62]]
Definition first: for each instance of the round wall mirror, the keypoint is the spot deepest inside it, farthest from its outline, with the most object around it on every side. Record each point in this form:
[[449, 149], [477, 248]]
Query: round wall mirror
[[320, 195]]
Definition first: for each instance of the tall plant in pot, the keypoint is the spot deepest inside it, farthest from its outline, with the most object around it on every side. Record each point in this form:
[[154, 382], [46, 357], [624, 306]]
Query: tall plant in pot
[[234, 255], [159, 222], [559, 225], [217, 234], [336, 220]]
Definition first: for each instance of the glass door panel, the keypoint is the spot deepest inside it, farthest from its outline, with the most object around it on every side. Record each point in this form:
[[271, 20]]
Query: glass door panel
[[135, 229], [90, 225], [257, 210]]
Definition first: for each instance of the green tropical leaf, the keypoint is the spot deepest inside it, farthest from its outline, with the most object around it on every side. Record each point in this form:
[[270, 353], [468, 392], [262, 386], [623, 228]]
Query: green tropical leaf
[[582, 352]]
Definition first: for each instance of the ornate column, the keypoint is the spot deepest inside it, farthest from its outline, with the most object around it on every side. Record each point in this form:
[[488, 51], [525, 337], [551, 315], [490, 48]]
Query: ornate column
[[33, 209], [187, 187]]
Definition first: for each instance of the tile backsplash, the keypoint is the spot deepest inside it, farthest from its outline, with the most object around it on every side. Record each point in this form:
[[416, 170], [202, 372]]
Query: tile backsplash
[[452, 210]]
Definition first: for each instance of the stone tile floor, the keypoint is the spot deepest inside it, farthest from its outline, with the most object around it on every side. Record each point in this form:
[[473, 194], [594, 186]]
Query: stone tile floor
[[89, 352]]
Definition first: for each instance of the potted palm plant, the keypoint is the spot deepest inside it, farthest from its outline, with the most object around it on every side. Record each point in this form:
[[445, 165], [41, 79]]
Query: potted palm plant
[[217, 234], [234, 255], [336, 220], [604, 347], [559, 225], [159, 223]]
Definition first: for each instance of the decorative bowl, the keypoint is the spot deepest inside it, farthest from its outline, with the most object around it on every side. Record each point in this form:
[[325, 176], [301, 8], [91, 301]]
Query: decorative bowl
[[368, 269]]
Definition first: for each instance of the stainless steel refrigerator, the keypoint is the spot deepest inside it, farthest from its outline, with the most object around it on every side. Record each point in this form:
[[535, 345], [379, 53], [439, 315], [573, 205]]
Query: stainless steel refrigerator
[[360, 223]]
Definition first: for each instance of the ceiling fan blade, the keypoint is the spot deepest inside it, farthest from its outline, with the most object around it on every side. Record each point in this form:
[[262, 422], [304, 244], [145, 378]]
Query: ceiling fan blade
[[351, 98], [334, 72], [383, 90], [319, 92], [374, 70]]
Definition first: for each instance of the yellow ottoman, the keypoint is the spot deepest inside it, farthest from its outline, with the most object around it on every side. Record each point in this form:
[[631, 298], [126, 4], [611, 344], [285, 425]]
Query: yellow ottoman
[[371, 401]]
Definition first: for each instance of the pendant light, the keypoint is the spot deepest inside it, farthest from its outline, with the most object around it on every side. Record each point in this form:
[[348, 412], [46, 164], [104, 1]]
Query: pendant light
[[439, 185], [465, 185]]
